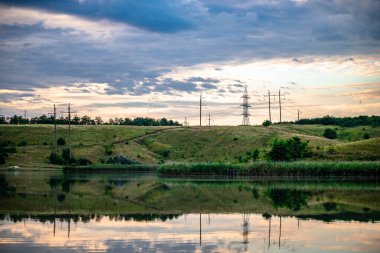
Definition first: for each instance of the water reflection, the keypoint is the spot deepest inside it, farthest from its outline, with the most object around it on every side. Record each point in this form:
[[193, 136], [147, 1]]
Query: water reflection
[[190, 234], [63, 213]]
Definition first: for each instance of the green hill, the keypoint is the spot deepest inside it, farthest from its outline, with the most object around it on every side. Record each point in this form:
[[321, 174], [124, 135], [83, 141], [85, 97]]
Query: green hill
[[230, 144]]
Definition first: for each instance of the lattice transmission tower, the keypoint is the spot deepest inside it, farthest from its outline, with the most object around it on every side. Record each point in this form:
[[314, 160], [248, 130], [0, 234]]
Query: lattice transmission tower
[[245, 106]]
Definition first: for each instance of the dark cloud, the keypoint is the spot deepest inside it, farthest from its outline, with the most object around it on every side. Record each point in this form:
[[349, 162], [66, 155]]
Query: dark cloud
[[201, 79], [209, 86], [156, 16], [9, 97]]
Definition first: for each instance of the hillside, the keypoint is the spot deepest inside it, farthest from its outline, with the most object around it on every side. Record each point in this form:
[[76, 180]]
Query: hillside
[[230, 144]]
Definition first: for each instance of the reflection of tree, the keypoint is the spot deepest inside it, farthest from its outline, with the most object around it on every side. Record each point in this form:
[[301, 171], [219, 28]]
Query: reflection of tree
[[6, 190], [268, 217], [329, 206], [290, 198]]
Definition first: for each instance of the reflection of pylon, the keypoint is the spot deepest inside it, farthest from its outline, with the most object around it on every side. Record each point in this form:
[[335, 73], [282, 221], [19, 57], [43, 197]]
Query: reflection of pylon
[[245, 106], [245, 230]]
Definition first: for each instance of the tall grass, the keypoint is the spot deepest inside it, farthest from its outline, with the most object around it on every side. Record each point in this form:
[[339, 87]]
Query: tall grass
[[276, 169], [304, 169]]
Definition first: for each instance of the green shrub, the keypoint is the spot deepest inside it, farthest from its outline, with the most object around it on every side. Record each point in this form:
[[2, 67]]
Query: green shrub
[[22, 144], [2, 158], [267, 123], [83, 161], [61, 141], [366, 136], [119, 159], [329, 133], [108, 150], [255, 154], [56, 159], [287, 150], [6, 147], [331, 150]]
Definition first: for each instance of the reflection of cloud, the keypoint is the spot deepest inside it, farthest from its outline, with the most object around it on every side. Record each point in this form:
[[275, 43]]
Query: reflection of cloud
[[223, 234]]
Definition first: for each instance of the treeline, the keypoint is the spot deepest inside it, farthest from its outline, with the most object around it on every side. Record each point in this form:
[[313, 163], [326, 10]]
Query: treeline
[[343, 122], [87, 120]]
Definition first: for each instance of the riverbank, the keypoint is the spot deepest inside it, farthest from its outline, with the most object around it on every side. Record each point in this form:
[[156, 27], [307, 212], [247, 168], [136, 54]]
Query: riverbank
[[302, 168]]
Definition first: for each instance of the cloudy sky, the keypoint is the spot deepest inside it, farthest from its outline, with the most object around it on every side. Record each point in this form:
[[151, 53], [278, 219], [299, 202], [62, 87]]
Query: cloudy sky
[[128, 58]]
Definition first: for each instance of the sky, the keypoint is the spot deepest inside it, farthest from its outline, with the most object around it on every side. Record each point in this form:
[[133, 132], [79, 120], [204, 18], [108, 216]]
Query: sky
[[153, 58]]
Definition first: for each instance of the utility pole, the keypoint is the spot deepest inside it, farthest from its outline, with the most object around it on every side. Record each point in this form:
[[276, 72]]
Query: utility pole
[[279, 102], [201, 101], [208, 117], [245, 106], [269, 96], [298, 118], [24, 114], [270, 115], [69, 112], [55, 128]]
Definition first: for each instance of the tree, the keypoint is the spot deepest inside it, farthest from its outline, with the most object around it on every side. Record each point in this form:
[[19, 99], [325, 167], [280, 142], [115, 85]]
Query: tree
[[287, 150], [98, 120], [76, 120], [2, 120], [85, 120], [267, 123], [329, 133]]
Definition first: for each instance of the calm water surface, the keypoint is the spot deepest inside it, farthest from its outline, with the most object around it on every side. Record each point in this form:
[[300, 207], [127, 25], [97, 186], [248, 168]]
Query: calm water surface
[[52, 212]]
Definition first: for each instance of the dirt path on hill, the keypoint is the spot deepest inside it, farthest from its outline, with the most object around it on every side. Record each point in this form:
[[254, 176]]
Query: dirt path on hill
[[136, 138]]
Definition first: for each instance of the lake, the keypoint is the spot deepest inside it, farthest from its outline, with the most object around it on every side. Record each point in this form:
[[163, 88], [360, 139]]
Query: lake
[[49, 211]]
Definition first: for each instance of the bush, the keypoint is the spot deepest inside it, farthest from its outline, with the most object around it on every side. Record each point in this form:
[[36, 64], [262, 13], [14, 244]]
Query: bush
[[119, 159], [255, 154], [108, 150], [267, 123], [22, 144], [366, 136], [287, 150], [6, 147], [56, 159], [83, 161], [61, 141], [2, 158], [329, 133]]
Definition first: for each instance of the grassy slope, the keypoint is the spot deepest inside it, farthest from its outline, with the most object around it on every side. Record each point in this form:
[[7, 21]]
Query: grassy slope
[[87, 141], [226, 144], [216, 144]]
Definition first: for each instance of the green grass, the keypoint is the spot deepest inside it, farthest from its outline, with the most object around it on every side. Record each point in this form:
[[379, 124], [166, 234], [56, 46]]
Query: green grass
[[87, 141], [302, 168], [224, 144], [275, 169]]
